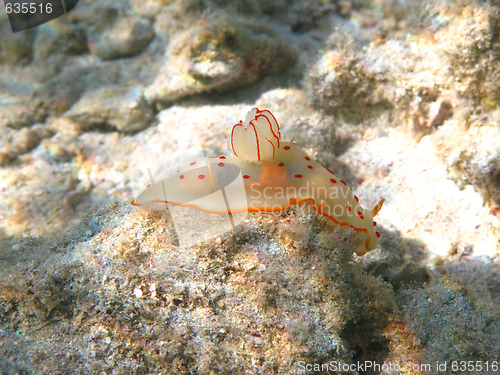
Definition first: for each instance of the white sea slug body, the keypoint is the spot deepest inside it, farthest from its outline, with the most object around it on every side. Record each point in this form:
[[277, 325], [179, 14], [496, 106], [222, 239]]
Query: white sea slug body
[[276, 175]]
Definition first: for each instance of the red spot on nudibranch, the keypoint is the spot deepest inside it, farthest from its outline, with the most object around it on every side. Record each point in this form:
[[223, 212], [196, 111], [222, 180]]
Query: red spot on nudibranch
[[374, 223], [221, 164], [360, 215], [178, 171], [348, 207], [298, 176], [201, 176], [310, 166], [343, 182], [281, 165], [149, 185], [329, 171], [181, 177], [287, 147], [377, 234], [357, 199], [246, 176], [222, 157], [334, 181], [192, 163], [308, 158]]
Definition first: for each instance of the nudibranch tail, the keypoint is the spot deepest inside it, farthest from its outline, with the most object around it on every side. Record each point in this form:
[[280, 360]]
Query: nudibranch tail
[[265, 174], [377, 208]]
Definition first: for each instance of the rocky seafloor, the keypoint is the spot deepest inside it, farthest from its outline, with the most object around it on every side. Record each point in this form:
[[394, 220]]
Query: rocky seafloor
[[400, 99]]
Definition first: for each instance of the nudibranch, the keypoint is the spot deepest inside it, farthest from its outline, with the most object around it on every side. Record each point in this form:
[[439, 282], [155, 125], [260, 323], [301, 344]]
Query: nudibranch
[[275, 175]]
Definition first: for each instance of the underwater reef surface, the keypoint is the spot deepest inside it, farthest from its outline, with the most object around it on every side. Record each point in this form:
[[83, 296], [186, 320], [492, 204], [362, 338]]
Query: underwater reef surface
[[401, 100]]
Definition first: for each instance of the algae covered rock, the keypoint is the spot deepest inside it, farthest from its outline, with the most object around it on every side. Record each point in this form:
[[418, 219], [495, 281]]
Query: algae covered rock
[[470, 148], [423, 77], [343, 83], [60, 92], [119, 37], [277, 293], [445, 318], [471, 43], [122, 108], [149, 8], [17, 48], [219, 52], [13, 143]]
